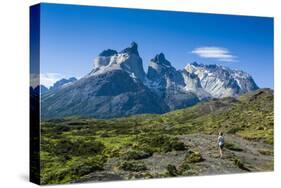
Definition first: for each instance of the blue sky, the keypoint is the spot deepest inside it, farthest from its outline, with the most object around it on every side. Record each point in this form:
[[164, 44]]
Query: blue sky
[[72, 36]]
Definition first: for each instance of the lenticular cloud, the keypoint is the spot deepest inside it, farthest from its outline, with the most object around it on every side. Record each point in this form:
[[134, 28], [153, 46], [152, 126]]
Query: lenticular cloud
[[219, 53]]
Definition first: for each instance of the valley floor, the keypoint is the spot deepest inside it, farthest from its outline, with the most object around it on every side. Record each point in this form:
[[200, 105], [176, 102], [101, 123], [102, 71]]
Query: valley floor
[[240, 156], [178, 143]]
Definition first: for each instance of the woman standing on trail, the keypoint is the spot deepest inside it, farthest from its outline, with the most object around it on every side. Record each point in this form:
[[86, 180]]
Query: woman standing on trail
[[220, 143]]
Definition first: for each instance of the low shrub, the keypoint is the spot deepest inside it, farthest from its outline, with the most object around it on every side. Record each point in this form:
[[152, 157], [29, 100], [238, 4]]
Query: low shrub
[[184, 167], [233, 147], [160, 143], [78, 123], [178, 146], [193, 157], [171, 170], [86, 165], [234, 130], [78, 147], [266, 152], [135, 166], [136, 155], [72, 169]]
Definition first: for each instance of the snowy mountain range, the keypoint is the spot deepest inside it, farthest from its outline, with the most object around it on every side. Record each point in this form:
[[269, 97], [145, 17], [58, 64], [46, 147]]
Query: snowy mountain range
[[56, 86], [118, 86]]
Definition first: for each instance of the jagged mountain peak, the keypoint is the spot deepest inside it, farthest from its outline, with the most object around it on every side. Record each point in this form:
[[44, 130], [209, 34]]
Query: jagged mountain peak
[[194, 64], [221, 81], [127, 60], [210, 69], [169, 83], [161, 60], [214, 68], [62, 83], [118, 80], [108, 52], [133, 49], [201, 65], [160, 68]]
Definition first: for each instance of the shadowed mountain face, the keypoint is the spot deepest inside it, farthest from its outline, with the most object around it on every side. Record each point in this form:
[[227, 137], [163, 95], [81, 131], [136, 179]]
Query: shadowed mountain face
[[111, 94], [118, 86], [169, 83]]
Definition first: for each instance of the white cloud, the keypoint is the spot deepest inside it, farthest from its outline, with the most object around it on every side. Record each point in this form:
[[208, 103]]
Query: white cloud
[[214, 52], [48, 79]]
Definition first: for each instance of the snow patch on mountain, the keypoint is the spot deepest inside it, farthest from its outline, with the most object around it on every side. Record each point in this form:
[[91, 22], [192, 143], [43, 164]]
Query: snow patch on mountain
[[221, 81], [62, 83]]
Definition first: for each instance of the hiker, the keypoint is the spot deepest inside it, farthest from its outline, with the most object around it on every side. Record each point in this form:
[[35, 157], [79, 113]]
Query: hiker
[[220, 143]]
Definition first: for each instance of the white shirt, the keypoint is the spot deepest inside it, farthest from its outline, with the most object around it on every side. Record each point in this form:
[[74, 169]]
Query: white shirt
[[221, 140]]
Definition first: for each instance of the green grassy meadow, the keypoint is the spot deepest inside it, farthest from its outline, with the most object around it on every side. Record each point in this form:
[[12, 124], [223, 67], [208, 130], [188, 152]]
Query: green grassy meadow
[[72, 148]]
